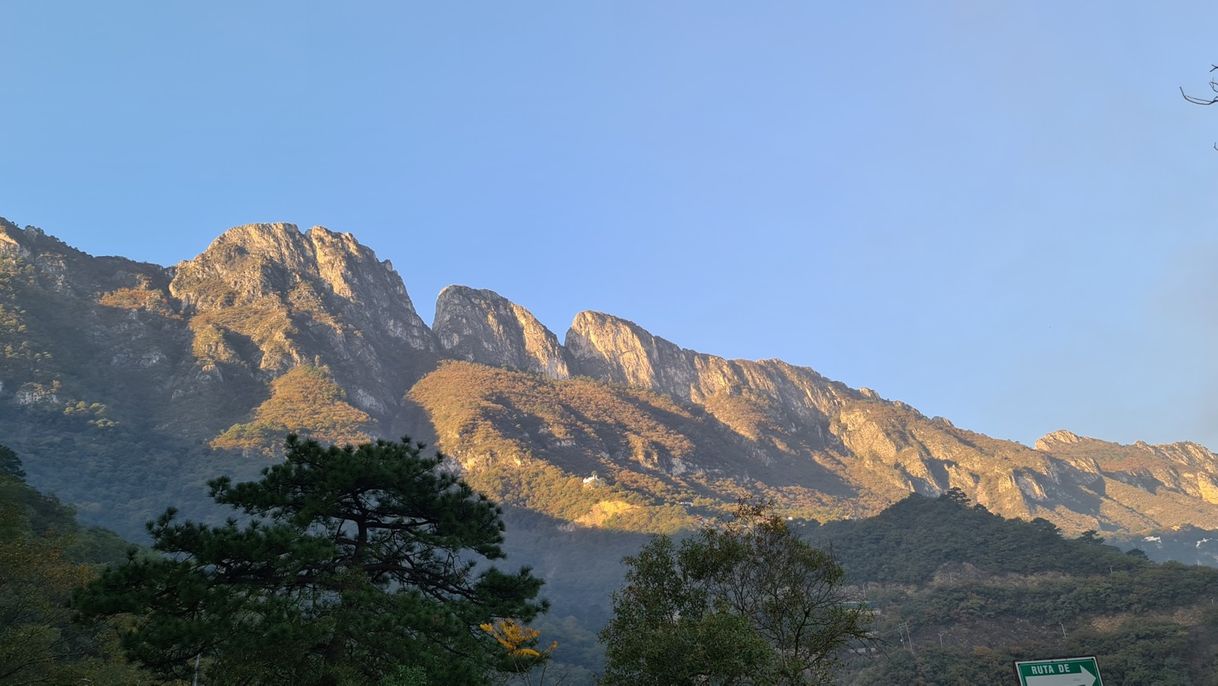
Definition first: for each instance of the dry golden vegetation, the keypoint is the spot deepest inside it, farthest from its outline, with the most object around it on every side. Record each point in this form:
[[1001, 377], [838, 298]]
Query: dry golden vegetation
[[593, 453], [304, 401]]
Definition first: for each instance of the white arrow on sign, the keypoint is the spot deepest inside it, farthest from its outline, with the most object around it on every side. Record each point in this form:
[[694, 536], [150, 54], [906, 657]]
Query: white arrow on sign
[[1083, 678]]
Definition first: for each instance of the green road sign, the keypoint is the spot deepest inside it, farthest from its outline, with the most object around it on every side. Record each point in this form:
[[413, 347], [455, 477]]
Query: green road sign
[[1066, 671]]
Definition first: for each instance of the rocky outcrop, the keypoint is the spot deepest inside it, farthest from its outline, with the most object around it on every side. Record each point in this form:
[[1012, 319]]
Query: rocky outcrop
[[1137, 457], [1057, 439], [263, 299], [11, 240], [321, 273], [757, 399], [619, 351], [483, 326], [1171, 470], [197, 346]]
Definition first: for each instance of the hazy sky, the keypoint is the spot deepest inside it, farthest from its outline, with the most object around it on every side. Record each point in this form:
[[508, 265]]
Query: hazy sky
[[1002, 213]]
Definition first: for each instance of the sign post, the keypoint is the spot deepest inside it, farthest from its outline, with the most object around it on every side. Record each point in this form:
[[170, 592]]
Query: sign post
[[1066, 671]]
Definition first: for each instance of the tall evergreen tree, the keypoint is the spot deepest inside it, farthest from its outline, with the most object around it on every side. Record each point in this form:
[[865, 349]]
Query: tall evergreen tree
[[357, 564], [10, 464]]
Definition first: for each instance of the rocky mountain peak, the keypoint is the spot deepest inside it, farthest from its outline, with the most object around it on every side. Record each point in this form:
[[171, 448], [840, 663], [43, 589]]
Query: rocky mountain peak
[[1057, 439], [614, 349], [344, 263], [321, 272], [18, 242], [241, 265], [483, 326], [11, 239], [266, 298]]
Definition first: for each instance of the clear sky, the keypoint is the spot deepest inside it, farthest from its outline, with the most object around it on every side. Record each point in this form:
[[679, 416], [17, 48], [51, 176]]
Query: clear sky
[[999, 212]]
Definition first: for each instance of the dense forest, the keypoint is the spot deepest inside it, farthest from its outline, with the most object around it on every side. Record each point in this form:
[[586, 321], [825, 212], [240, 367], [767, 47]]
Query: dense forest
[[956, 594], [44, 556], [961, 593]]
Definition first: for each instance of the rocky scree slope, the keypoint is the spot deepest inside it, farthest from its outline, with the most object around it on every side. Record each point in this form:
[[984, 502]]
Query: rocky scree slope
[[114, 369]]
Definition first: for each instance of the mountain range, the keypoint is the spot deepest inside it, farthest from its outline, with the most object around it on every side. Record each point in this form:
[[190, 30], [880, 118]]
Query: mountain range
[[125, 385]]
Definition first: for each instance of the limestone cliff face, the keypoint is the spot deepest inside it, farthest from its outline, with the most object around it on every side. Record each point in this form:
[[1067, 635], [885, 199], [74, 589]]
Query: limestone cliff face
[[11, 240], [769, 398], [197, 346], [793, 418], [325, 274], [611, 349], [483, 326], [619, 351], [1183, 474], [266, 298], [272, 329]]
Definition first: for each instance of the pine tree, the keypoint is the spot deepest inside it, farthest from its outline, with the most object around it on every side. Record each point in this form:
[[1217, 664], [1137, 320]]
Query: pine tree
[[10, 464], [356, 564]]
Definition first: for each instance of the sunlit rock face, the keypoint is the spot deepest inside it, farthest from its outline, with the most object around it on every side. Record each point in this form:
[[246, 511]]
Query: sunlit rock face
[[263, 299], [793, 416], [619, 351], [785, 397], [1176, 471], [483, 326], [273, 329], [326, 274], [612, 349], [202, 341]]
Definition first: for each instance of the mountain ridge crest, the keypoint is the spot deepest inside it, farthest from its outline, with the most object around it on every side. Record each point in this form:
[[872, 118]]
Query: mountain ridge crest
[[197, 349]]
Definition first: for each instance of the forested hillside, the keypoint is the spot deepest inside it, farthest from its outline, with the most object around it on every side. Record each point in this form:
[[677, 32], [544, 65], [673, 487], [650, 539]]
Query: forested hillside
[[958, 594], [961, 593], [44, 556]]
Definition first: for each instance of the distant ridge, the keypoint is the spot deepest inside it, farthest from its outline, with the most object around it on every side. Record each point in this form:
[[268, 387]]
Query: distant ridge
[[114, 367]]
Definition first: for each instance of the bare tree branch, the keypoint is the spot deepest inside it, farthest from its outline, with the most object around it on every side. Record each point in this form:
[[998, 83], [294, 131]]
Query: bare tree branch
[[1203, 101]]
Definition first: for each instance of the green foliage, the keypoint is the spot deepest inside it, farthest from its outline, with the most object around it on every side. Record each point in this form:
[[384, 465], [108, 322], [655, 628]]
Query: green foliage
[[665, 630], [747, 603], [913, 539], [44, 556], [962, 593], [983, 592], [544, 488], [407, 676], [359, 565], [10, 464], [1136, 652], [119, 476]]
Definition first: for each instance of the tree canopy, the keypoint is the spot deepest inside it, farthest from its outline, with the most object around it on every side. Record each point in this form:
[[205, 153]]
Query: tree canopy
[[10, 464], [44, 556], [356, 565], [746, 603]]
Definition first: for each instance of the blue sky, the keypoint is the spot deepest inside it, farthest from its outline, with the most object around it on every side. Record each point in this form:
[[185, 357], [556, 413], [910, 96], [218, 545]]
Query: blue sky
[[1002, 213]]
